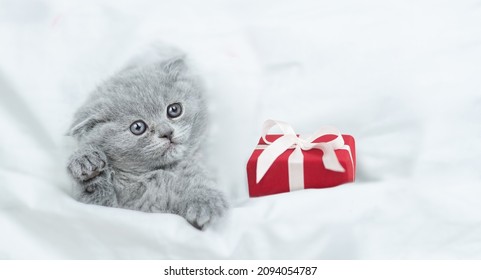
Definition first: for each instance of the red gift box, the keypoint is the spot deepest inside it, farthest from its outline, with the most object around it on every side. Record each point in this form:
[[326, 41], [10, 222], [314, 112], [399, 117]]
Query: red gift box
[[313, 169]]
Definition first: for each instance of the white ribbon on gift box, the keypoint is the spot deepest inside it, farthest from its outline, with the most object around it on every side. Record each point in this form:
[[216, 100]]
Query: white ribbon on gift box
[[290, 140]]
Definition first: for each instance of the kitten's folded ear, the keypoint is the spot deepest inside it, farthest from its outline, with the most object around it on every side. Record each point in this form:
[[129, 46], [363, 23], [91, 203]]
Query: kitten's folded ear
[[175, 67], [84, 124]]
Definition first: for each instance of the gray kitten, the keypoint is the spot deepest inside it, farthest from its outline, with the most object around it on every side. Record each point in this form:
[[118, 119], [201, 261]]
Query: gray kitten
[[139, 138]]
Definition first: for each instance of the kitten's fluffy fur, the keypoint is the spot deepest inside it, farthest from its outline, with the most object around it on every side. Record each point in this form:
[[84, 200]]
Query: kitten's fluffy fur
[[159, 170]]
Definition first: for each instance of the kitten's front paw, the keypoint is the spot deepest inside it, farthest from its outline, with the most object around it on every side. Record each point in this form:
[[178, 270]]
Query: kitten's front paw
[[206, 208], [87, 164]]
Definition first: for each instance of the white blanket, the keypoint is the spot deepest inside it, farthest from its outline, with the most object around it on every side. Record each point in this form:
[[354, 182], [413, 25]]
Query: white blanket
[[403, 78]]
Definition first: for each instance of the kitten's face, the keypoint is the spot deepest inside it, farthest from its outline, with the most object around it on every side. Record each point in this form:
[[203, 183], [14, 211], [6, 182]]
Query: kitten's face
[[151, 117]]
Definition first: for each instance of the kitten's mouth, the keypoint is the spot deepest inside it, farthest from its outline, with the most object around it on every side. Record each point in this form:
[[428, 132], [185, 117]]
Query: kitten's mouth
[[166, 149], [174, 141], [169, 147]]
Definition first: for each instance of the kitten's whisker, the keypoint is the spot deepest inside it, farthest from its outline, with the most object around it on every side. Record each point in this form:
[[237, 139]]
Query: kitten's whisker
[[180, 133]]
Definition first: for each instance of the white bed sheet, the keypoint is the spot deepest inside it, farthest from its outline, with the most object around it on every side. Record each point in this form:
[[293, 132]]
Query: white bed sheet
[[403, 78]]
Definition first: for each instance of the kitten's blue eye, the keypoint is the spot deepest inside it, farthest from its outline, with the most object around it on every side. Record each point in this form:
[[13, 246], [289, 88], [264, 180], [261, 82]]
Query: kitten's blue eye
[[138, 127], [174, 110]]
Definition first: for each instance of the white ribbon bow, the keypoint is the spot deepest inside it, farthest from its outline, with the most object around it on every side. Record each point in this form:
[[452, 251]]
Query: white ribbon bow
[[290, 140]]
